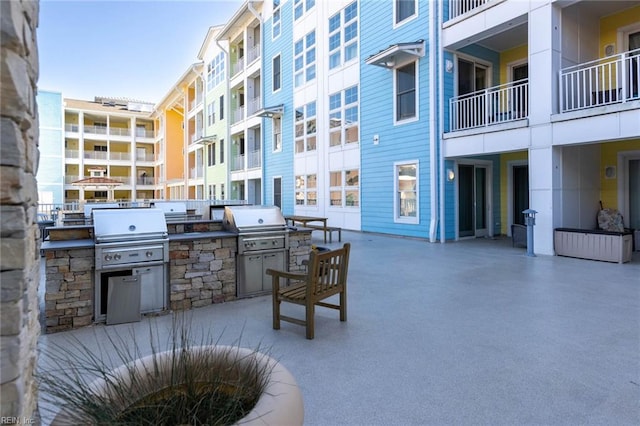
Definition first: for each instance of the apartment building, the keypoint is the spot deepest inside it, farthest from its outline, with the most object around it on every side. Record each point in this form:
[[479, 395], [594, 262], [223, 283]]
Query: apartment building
[[243, 36], [109, 150], [541, 110], [440, 120]]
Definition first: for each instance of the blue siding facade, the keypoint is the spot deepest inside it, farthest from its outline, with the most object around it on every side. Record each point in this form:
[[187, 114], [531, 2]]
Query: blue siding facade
[[280, 163], [397, 142]]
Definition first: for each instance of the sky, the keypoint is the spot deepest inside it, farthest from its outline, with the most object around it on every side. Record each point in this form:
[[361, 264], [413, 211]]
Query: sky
[[135, 49]]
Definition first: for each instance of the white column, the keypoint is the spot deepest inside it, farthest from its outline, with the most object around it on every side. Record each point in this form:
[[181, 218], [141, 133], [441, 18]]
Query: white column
[[544, 159]]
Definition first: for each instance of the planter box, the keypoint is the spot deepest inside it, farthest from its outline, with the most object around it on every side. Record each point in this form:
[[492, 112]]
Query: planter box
[[593, 245]]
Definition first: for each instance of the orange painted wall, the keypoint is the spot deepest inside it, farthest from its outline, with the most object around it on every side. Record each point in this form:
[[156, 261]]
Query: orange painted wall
[[174, 140]]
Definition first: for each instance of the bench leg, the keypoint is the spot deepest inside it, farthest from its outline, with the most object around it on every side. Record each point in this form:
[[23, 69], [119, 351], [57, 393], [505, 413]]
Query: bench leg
[[310, 313], [340, 235], [343, 305], [276, 312]]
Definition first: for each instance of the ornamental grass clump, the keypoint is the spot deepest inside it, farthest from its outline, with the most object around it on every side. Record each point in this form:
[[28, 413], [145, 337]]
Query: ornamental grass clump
[[187, 384]]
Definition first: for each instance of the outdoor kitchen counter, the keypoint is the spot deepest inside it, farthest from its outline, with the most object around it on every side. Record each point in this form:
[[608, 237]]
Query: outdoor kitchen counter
[[201, 235], [67, 244]]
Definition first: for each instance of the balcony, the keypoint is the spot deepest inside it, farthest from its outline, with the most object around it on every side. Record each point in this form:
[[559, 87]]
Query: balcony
[[96, 155], [237, 67], [460, 7], [495, 105], [254, 159], [144, 133], [237, 163], [119, 131], [146, 180], [95, 130], [195, 137], [69, 179], [71, 154], [73, 128], [611, 80], [254, 105], [120, 156], [253, 53], [237, 115], [196, 173], [146, 157]]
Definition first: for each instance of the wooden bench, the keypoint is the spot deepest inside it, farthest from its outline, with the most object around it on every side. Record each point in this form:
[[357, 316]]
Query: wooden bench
[[326, 276], [327, 229]]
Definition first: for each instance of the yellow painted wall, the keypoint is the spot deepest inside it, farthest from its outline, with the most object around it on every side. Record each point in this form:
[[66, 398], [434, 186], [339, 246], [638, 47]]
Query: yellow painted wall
[[118, 147], [609, 157], [509, 56], [174, 162], [504, 196], [610, 24]]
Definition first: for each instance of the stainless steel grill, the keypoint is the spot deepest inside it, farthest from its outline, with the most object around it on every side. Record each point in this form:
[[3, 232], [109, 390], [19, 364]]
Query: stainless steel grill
[[263, 242], [131, 258], [174, 211]]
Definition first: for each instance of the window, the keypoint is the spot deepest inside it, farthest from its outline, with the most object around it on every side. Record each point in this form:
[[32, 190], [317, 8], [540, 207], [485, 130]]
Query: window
[[343, 26], [212, 192], [404, 9], [211, 157], [304, 59], [306, 190], [405, 97], [222, 196], [343, 117], [100, 148], [277, 191], [215, 71], [100, 194], [277, 134], [305, 128], [221, 151], [221, 107], [406, 192], [211, 113], [344, 188], [302, 6], [277, 78], [275, 28]]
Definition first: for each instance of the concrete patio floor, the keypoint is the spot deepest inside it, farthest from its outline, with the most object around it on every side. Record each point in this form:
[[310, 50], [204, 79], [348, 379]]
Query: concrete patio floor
[[472, 332]]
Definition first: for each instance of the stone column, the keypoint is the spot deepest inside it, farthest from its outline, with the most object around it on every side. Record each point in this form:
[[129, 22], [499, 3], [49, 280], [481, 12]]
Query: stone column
[[19, 242]]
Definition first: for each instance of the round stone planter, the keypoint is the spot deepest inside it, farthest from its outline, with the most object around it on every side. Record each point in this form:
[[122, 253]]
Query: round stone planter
[[280, 404]]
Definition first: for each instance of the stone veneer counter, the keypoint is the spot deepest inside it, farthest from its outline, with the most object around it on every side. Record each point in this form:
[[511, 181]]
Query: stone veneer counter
[[201, 271]]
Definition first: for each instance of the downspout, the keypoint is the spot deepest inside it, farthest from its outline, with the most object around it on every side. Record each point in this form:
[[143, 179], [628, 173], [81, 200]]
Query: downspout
[[433, 131], [227, 136], [262, 135], [441, 123]]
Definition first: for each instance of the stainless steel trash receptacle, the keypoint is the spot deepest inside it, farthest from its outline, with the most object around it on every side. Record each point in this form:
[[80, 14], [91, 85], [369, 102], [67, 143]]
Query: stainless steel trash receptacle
[[123, 299]]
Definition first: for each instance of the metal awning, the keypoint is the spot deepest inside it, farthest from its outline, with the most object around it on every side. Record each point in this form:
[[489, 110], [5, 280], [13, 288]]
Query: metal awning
[[272, 111], [397, 55]]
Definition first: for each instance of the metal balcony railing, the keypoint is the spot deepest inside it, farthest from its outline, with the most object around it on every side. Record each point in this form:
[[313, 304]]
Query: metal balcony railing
[[237, 67], [96, 130], [253, 53], [96, 155], [120, 156], [254, 105], [615, 79], [71, 154], [494, 105], [237, 163], [119, 131], [146, 157], [254, 160], [69, 179], [460, 7], [144, 133], [237, 115]]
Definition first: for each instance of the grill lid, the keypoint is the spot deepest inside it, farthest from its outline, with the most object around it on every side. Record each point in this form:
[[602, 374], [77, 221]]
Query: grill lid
[[128, 224], [242, 219]]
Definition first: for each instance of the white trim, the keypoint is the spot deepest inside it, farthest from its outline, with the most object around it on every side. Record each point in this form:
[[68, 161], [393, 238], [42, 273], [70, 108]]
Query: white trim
[[515, 64], [623, 36], [273, 186], [397, 122], [396, 216], [279, 54], [395, 24]]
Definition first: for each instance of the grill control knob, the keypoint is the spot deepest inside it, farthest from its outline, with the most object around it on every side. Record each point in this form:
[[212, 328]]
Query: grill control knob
[[117, 256], [107, 257], [274, 242], [149, 253]]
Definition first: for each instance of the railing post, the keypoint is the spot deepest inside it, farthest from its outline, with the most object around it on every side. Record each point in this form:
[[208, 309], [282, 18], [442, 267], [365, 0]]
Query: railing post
[[626, 93]]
